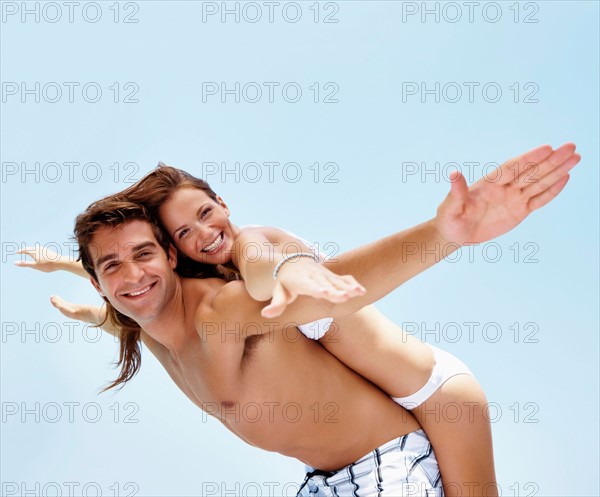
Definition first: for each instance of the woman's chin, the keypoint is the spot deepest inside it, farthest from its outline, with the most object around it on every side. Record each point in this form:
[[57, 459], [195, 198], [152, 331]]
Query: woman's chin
[[212, 259]]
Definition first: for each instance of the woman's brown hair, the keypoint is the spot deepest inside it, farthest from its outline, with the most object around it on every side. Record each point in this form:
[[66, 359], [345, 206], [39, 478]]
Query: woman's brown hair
[[140, 201], [153, 190]]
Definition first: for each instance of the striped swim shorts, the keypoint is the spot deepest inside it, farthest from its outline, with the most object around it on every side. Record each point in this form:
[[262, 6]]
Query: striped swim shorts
[[403, 467]]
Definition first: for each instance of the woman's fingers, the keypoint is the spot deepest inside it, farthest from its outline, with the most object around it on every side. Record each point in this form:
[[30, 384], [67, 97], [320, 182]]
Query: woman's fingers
[[333, 291], [336, 289], [354, 288], [550, 194], [507, 172], [318, 283], [528, 174], [346, 285], [561, 170], [455, 200], [280, 300]]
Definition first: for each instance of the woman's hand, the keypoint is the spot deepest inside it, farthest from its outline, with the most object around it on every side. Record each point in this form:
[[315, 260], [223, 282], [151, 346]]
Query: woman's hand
[[306, 277], [503, 198]]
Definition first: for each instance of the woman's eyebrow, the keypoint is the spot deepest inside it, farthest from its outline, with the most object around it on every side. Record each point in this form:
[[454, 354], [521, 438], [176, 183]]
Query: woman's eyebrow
[[197, 213]]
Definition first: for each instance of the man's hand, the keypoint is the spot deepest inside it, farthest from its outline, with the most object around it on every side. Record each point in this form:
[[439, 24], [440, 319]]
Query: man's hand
[[43, 259], [48, 261], [89, 314], [502, 199], [306, 277], [81, 312]]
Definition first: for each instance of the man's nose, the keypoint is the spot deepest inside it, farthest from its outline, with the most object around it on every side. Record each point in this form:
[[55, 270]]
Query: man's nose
[[133, 272]]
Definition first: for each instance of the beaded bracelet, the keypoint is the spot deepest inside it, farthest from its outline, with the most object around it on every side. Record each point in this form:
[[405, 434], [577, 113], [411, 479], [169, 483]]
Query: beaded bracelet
[[290, 257]]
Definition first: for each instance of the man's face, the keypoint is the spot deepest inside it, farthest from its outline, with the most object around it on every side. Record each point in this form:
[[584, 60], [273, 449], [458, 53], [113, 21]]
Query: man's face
[[133, 271]]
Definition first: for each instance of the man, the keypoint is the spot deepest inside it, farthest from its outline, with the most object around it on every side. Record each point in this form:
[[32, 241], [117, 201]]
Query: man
[[213, 341], [267, 383]]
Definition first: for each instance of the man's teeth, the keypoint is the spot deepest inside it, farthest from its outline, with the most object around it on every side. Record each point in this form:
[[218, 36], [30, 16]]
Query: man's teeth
[[214, 244], [143, 290]]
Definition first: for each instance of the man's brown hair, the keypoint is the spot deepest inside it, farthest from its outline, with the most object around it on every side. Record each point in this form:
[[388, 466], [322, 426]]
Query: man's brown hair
[[114, 211], [142, 202], [158, 186]]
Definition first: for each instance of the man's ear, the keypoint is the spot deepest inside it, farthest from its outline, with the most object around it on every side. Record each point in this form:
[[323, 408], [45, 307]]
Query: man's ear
[[172, 256], [223, 204], [96, 286]]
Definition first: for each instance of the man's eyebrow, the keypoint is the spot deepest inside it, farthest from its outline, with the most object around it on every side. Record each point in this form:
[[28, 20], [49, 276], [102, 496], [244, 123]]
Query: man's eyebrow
[[136, 248], [197, 213]]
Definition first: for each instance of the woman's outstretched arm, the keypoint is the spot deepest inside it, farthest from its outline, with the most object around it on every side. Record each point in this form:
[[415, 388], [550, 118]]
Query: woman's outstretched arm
[[486, 210], [468, 215]]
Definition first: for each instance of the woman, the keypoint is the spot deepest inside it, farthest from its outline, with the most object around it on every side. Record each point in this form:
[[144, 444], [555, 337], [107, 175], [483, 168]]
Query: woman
[[198, 222]]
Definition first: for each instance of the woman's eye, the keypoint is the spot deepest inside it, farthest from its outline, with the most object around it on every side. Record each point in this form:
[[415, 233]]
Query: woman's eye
[[182, 233], [205, 212]]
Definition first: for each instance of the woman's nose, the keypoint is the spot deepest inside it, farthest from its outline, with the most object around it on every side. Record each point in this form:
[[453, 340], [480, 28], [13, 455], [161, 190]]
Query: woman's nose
[[202, 233]]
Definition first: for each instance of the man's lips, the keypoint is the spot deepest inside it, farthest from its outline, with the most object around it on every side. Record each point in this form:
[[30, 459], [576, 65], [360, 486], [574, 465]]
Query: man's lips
[[140, 292]]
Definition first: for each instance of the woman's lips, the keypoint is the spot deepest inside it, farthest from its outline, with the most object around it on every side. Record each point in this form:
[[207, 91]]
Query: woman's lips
[[215, 246]]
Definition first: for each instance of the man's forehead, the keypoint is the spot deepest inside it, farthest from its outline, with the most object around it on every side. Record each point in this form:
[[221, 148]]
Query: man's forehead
[[122, 238]]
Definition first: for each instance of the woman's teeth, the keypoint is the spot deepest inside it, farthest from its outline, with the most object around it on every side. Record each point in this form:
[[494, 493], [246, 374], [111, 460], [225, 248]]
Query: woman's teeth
[[214, 245]]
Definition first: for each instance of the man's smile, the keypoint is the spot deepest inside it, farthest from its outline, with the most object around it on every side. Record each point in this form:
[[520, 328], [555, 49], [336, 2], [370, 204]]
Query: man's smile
[[140, 292]]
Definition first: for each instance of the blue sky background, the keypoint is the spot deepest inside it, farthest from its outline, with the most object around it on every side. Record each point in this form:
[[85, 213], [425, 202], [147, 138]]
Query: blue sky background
[[533, 292]]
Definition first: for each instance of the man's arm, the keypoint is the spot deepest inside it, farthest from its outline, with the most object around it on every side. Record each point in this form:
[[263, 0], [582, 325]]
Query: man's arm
[[48, 261], [91, 314]]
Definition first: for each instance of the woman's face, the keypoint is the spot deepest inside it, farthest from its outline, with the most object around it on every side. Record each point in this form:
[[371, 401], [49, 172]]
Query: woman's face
[[198, 225]]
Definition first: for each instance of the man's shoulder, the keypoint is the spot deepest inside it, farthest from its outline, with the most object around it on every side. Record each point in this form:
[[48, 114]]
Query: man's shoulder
[[214, 297], [219, 316], [230, 299]]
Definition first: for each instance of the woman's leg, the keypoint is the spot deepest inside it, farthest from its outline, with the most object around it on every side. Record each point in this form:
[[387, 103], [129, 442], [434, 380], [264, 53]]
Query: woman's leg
[[456, 421]]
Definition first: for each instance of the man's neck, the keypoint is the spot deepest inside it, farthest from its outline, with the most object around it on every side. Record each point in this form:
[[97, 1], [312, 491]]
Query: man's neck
[[169, 328]]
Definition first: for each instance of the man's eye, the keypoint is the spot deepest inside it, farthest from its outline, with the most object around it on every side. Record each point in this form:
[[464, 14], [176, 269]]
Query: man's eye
[[144, 254], [110, 266]]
